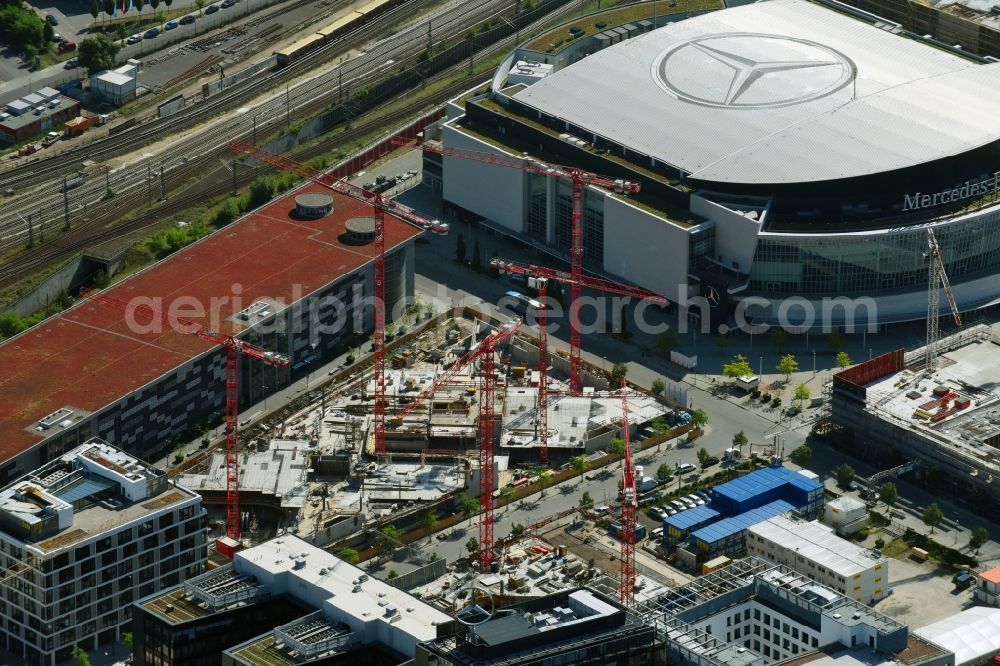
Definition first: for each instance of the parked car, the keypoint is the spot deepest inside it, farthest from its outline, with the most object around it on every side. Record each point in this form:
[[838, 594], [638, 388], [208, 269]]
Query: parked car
[[684, 468], [709, 461], [71, 63], [170, 25], [226, 4], [56, 37], [152, 32], [187, 19], [134, 39], [702, 494], [211, 9], [657, 533], [66, 47], [51, 19], [696, 499]]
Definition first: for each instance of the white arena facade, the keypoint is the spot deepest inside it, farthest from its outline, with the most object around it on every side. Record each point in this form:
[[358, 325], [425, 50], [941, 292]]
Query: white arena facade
[[785, 150]]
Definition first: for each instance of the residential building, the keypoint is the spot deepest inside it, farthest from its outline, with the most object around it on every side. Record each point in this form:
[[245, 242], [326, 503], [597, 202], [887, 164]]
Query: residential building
[[988, 587], [81, 538], [813, 550], [282, 602]]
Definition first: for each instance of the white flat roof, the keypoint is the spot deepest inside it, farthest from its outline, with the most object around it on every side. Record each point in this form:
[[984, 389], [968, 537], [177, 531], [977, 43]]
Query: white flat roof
[[782, 91], [113, 78], [815, 541], [328, 582]]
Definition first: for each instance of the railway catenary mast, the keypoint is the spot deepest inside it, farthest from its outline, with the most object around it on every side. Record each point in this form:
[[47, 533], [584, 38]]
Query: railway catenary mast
[[380, 205], [578, 179], [234, 348], [542, 275]]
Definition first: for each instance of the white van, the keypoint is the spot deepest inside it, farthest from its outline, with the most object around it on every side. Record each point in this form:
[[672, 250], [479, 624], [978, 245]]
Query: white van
[[602, 509]]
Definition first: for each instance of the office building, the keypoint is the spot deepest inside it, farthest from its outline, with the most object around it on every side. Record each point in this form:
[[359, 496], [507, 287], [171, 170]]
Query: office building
[[83, 537], [282, 602]]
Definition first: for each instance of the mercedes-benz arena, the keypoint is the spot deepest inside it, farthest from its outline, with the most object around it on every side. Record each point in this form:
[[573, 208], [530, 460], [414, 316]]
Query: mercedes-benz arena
[[783, 148]]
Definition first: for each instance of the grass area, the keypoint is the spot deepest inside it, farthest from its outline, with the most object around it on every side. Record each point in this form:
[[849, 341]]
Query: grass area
[[896, 548], [559, 38]]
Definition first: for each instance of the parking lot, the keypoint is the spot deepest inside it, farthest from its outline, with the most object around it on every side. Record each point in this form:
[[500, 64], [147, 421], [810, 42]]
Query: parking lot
[[922, 593]]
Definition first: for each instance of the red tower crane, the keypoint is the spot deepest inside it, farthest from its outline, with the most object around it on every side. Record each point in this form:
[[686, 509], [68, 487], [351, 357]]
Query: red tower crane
[[381, 205], [234, 348], [579, 179], [630, 500], [542, 275], [487, 371]]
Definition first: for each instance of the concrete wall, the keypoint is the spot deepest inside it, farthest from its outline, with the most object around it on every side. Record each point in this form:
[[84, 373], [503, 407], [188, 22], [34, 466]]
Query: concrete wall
[[496, 193], [643, 248], [735, 235]]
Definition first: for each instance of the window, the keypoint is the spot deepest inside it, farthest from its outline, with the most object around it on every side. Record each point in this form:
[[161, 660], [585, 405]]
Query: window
[[815, 642], [795, 633], [784, 627], [736, 634], [756, 613], [746, 614]]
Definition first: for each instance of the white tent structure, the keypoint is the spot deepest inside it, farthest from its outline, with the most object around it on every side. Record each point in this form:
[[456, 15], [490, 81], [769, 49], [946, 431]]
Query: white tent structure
[[973, 635]]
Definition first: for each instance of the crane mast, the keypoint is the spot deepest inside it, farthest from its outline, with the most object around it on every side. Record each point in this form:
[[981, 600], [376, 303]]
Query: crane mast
[[937, 279], [630, 500]]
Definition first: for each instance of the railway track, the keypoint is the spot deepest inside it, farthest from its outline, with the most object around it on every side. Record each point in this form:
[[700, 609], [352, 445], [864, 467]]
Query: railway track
[[310, 95], [210, 178]]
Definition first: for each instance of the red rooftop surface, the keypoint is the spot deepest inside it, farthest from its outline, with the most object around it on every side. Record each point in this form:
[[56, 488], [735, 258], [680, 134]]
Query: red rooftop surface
[[991, 575], [87, 357]]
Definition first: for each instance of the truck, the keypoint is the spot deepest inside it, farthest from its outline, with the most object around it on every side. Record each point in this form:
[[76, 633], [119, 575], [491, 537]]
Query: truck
[[963, 580]]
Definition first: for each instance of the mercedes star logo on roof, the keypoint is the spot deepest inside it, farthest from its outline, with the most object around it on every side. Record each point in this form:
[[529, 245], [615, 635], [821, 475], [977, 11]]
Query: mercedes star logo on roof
[[751, 70]]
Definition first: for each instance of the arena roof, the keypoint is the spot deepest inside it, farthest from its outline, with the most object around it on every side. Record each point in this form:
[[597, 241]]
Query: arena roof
[[87, 357], [783, 91]]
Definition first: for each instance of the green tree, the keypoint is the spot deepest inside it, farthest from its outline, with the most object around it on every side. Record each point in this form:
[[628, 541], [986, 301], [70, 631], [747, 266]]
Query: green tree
[[666, 341], [932, 515], [801, 394], [95, 9], [579, 463], [477, 255], [48, 32], [460, 249], [468, 505], [739, 441], [391, 575], [659, 425], [703, 456], [664, 472], [699, 417], [977, 537], [888, 493], [108, 6], [389, 537], [516, 530], [262, 189], [128, 638], [586, 501], [429, 519], [472, 545], [434, 557], [168, 3], [843, 360], [801, 455], [845, 474], [618, 372], [22, 30], [98, 53], [80, 657], [616, 447], [738, 367], [506, 491], [658, 387], [787, 365], [11, 324], [348, 555]]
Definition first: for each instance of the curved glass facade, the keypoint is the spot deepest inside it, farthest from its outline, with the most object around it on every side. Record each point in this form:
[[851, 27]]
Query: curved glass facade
[[845, 264]]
